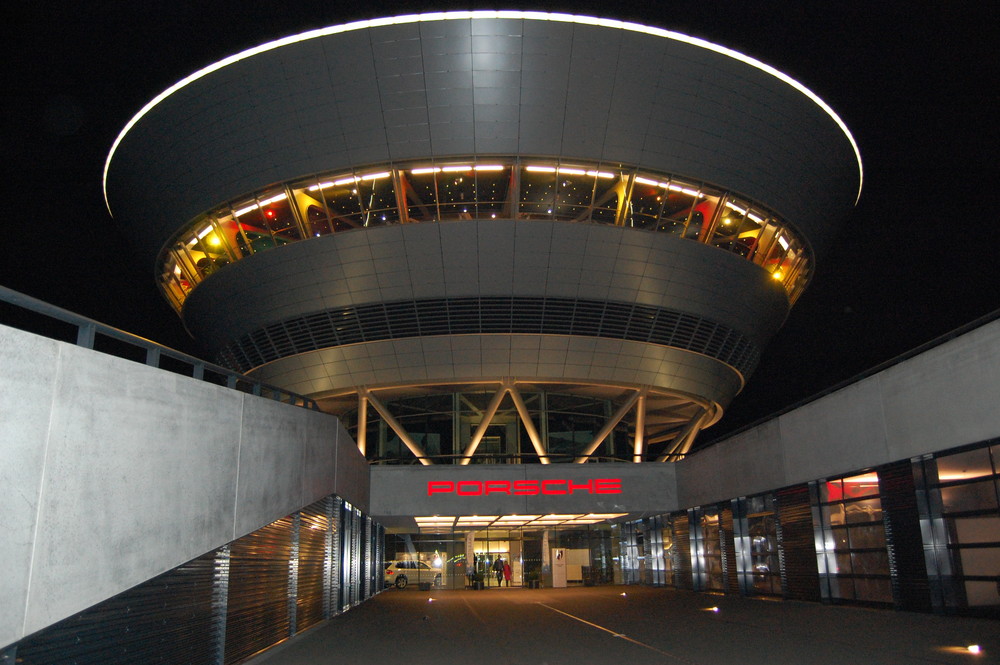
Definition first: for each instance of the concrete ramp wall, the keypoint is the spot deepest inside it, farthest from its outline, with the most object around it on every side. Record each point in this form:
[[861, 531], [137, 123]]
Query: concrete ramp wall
[[112, 472]]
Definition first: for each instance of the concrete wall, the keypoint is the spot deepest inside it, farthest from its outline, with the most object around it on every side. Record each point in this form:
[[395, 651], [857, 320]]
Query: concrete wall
[[112, 472], [940, 399]]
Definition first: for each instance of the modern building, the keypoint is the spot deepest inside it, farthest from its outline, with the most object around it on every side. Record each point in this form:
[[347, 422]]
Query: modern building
[[524, 259], [522, 236]]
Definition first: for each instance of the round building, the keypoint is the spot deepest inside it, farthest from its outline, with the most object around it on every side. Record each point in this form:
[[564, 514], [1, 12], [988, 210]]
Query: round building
[[489, 236]]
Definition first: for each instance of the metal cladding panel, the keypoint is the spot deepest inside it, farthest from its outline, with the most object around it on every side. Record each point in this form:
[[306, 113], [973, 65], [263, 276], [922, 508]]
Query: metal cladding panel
[[905, 543], [140, 625], [258, 614], [312, 565], [485, 258], [537, 87], [797, 542], [683, 566], [458, 359], [731, 582]]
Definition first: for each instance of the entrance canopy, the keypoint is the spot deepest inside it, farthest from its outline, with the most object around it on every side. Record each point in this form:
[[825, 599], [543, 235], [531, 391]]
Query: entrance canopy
[[518, 495]]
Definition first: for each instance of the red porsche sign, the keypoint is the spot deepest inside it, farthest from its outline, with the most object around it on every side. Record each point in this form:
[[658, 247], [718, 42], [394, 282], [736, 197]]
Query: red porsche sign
[[524, 487]]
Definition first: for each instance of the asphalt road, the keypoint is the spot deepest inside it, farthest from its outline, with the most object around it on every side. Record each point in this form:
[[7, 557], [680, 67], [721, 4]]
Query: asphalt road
[[631, 625]]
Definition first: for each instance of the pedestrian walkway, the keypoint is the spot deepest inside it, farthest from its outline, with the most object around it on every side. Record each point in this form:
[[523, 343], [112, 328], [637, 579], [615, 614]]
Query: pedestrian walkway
[[631, 625]]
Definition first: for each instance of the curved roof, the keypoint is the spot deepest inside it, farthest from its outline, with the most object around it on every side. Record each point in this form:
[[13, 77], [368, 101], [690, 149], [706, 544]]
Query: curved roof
[[681, 104]]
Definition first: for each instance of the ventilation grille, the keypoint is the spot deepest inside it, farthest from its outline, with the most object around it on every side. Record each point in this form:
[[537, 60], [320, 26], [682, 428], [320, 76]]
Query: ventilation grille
[[494, 315]]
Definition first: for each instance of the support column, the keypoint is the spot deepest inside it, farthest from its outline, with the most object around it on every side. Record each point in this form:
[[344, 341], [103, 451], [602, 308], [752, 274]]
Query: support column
[[487, 418], [529, 426], [608, 427], [362, 422], [639, 445], [403, 435]]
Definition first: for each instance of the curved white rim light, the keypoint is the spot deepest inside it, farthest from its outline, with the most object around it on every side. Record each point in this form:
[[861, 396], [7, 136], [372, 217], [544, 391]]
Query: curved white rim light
[[454, 15]]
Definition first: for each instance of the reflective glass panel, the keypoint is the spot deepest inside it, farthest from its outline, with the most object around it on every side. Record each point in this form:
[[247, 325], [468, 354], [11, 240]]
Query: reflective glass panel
[[538, 190], [964, 466], [972, 496], [420, 186], [470, 189]]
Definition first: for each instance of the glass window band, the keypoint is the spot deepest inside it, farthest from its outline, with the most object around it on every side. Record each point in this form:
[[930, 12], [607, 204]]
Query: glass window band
[[504, 188]]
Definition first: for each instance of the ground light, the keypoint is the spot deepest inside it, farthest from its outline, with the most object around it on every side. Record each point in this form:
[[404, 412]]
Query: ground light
[[973, 649]]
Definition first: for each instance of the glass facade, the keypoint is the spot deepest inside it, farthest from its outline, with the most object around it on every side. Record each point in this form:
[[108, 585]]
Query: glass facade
[[461, 553], [756, 532], [852, 557], [443, 421], [508, 188], [963, 509], [855, 539]]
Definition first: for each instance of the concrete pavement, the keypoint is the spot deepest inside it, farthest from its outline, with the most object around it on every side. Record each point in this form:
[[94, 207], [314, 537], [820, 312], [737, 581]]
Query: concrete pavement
[[633, 625]]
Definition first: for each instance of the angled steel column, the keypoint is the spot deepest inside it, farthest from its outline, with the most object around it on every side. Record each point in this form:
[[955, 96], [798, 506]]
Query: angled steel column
[[608, 426], [685, 438], [639, 445], [362, 422], [529, 426], [491, 411], [403, 435]]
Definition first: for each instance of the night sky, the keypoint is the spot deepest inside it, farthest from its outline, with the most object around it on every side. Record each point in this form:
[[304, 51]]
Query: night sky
[[916, 82]]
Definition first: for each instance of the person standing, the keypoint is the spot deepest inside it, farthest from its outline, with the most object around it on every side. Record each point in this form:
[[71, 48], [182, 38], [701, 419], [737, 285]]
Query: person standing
[[506, 572], [498, 570]]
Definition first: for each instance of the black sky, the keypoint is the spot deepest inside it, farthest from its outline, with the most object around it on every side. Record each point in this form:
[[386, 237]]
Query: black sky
[[917, 83]]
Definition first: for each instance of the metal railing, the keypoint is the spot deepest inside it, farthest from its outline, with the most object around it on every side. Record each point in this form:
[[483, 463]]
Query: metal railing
[[99, 337]]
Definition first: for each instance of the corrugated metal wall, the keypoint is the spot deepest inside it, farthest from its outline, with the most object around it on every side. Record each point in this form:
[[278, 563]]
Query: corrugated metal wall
[[313, 526], [730, 578], [797, 538], [683, 573], [258, 613], [228, 604], [169, 619]]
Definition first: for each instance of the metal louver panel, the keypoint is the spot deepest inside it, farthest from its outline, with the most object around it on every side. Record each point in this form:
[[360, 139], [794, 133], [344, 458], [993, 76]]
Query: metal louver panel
[[683, 573], [258, 590], [331, 599], [730, 579], [313, 526], [796, 544], [168, 619], [907, 565], [226, 605], [491, 315]]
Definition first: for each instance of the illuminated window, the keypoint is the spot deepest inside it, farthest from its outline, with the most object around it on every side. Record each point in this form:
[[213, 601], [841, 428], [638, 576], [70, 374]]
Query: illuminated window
[[853, 558], [426, 191], [964, 489]]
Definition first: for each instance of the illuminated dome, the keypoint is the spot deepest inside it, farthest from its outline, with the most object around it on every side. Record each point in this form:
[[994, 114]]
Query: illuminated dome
[[489, 236]]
